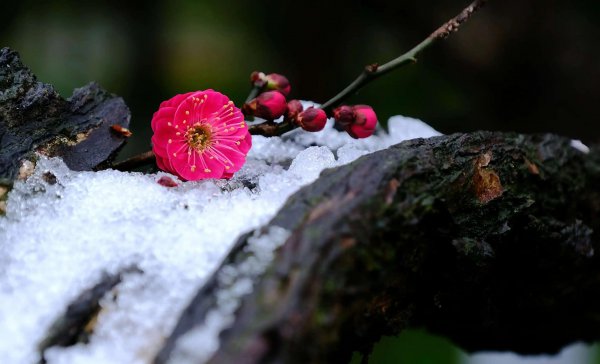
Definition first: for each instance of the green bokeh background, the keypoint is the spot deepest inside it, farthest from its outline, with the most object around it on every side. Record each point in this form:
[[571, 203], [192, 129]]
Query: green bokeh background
[[526, 66], [414, 347]]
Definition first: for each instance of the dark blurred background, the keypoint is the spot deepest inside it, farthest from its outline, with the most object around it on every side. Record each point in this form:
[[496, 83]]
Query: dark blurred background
[[526, 66]]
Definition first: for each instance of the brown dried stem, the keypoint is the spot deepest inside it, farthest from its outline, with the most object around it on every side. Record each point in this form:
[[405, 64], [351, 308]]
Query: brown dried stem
[[136, 161]]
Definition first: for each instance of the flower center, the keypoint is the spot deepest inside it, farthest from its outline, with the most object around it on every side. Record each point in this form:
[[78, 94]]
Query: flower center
[[198, 137]]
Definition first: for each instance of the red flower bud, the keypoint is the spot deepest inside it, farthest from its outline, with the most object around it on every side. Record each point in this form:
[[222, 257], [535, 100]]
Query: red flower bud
[[258, 79], [279, 83], [312, 119], [294, 107], [364, 123], [344, 115], [268, 105]]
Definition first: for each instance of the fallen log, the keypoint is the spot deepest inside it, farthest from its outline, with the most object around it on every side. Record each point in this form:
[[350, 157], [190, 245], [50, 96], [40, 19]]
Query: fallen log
[[485, 238]]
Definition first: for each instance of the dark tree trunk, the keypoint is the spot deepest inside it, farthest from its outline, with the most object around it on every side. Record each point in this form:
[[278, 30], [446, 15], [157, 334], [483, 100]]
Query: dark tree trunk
[[485, 238]]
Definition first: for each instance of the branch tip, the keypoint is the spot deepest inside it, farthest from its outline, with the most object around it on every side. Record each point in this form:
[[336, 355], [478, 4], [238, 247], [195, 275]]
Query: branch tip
[[452, 25]]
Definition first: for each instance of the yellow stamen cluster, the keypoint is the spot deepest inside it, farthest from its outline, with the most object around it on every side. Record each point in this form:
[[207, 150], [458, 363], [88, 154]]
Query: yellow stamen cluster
[[199, 137]]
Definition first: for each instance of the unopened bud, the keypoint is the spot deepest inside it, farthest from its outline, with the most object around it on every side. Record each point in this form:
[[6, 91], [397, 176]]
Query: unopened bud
[[344, 115], [268, 105], [294, 107], [258, 79], [278, 82], [312, 119], [365, 121]]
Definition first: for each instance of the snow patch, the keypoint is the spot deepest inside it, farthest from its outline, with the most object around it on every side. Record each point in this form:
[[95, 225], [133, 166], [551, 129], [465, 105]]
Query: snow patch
[[577, 144], [238, 282]]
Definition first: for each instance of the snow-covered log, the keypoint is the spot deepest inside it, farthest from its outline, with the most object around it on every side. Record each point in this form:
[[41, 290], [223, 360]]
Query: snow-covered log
[[485, 238]]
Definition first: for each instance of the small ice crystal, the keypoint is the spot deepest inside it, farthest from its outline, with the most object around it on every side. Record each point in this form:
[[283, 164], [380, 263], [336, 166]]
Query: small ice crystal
[[235, 282], [577, 144]]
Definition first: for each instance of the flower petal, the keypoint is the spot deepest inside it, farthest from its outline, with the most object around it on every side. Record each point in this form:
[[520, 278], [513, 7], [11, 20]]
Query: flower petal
[[164, 164], [164, 115], [234, 129], [227, 175], [230, 155], [164, 135], [198, 166], [245, 143], [198, 106], [214, 103], [176, 100], [158, 147]]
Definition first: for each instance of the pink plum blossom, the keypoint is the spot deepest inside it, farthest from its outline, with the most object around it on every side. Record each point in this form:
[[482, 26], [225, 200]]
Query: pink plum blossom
[[200, 135]]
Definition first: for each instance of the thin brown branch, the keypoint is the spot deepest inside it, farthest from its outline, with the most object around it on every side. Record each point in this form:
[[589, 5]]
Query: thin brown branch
[[453, 24], [371, 72], [135, 161], [270, 128]]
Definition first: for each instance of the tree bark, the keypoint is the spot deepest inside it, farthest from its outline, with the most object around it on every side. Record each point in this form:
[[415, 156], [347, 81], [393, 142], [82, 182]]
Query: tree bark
[[485, 238], [34, 117]]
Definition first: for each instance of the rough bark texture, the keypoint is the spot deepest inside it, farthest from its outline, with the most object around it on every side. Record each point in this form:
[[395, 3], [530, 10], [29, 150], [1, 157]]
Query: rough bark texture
[[485, 238], [33, 116]]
